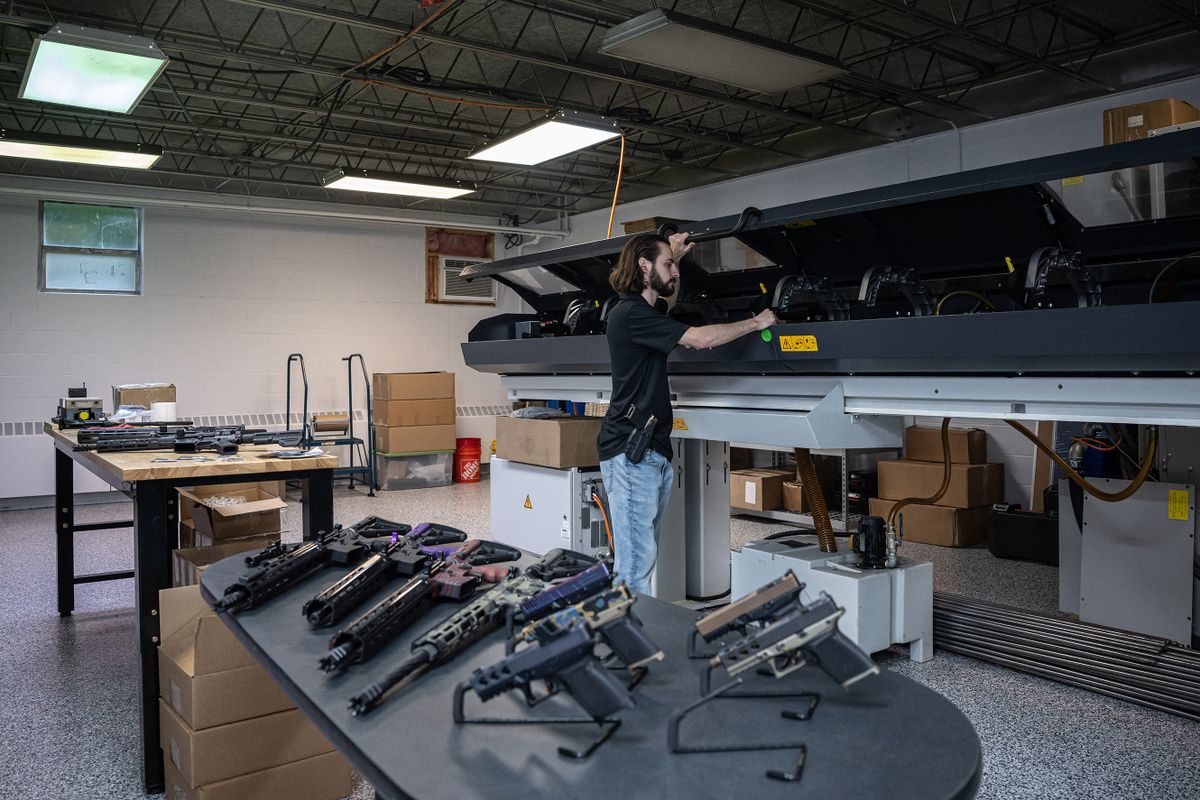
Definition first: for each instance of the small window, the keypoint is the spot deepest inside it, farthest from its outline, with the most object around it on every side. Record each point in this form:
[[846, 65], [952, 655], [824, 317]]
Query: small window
[[88, 248]]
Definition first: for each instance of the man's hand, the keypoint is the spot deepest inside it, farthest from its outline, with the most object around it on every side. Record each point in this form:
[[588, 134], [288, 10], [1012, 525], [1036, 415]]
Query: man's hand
[[765, 319], [680, 246]]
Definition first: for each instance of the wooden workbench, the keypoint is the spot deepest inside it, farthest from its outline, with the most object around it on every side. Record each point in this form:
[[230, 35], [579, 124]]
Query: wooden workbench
[[152, 487]]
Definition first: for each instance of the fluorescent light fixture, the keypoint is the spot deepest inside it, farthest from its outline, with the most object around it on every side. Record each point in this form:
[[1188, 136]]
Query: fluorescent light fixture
[[359, 180], [560, 133], [693, 46], [76, 150], [90, 68]]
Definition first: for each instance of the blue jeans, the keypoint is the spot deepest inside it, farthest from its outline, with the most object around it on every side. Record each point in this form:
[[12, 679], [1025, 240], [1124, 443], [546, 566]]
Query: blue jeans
[[637, 499]]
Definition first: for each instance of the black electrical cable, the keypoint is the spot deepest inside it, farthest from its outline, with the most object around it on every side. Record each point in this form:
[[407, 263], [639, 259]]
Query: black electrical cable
[[1163, 271]]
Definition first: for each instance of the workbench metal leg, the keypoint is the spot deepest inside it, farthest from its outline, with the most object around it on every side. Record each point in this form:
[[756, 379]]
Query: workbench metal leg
[[317, 497], [64, 530], [154, 514]]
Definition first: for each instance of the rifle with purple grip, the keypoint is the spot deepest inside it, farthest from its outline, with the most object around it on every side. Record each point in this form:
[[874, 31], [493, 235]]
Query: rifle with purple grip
[[403, 555], [453, 575]]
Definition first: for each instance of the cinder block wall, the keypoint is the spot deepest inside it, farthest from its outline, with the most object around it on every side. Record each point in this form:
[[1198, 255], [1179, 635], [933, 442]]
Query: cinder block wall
[[227, 298]]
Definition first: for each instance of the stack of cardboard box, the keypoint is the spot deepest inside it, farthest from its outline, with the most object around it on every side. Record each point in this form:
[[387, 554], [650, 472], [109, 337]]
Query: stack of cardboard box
[[959, 519], [413, 412], [210, 530], [227, 730]]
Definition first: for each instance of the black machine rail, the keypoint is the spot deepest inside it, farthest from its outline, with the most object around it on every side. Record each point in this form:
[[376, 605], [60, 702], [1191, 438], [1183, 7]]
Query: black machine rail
[[974, 231]]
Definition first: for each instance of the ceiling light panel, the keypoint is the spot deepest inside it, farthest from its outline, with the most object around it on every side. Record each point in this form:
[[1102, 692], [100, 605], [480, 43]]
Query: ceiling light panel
[[362, 181], [90, 68], [14, 144], [693, 46], [550, 138]]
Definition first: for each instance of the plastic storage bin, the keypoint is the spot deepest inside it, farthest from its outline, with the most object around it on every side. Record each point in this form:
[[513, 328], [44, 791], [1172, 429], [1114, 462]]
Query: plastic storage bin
[[415, 470]]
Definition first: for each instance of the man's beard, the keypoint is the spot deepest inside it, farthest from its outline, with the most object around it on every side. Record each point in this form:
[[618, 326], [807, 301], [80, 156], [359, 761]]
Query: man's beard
[[664, 288]]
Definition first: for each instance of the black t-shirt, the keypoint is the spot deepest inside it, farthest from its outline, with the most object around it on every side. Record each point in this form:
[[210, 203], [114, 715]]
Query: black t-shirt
[[639, 340]]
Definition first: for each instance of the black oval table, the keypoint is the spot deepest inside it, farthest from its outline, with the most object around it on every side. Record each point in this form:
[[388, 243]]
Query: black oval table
[[886, 737]]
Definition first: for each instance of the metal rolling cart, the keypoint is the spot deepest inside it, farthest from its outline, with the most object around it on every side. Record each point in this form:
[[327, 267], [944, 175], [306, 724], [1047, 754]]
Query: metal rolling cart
[[338, 429]]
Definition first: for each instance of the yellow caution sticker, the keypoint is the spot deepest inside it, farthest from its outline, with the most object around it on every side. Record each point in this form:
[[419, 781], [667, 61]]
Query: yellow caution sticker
[[1008, 263], [679, 424], [1075, 181], [797, 344], [528, 503], [762, 287], [1177, 504]]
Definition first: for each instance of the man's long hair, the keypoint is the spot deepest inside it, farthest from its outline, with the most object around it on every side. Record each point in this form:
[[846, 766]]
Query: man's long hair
[[626, 276]]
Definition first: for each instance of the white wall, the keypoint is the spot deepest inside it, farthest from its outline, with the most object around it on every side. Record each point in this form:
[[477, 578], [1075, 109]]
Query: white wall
[[227, 297]]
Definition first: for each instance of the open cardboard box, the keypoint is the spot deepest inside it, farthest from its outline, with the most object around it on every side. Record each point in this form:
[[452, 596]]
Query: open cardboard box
[[205, 675], [268, 488], [189, 561], [258, 513]]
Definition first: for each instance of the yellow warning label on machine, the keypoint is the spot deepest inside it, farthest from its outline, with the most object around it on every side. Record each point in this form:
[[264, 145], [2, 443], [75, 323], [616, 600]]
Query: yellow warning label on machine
[[528, 504], [1075, 181], [797, 344], [1177, 504], [679, 424], [1008, 263]]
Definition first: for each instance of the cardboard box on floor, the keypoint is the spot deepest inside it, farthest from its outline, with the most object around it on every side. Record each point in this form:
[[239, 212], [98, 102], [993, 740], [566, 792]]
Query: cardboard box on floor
[[558, 443], [405, 413], [259, 513], [1127, 123], [189, 562], [967, 445], [323, 777], [266, 488], [793, 497], [132, 394], [412, 386], [416, 439], [227, 751], [949, 527], [757, 489], [971, 485], [204, 674]]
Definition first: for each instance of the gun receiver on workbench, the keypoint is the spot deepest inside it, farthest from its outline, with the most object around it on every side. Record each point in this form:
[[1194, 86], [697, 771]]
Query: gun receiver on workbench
[[609, 615], [471, 623], [565, 661], [278, 567], [451, 575], [402, 555], [223, 441], [795, 636]]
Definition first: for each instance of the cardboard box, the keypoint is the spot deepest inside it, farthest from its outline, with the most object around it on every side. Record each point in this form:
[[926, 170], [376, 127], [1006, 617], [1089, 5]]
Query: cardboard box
[[403, 413], [135, 394], [558, 443], [226, 751], [971, 485], [757, 489], [949, 527], [650, 224], [967, 445], [323, 777], [1127, 123], [258, 513], [416, 439], [793, 496], [740, 458], [204, 674], [266, 488], [412, 386], [188, 563]]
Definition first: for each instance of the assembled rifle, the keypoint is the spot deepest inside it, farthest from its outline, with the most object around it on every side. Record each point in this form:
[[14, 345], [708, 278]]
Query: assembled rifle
[[451, 575]]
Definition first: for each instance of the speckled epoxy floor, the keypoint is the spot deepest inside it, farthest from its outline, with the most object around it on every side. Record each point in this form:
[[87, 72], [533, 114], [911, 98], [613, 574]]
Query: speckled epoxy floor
[[68, 717]]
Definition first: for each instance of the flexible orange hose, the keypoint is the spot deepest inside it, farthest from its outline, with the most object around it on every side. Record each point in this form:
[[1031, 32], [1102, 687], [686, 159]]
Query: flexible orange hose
[[617, 188], [607, 527], [807, 472], [928, 501], [1099, 494]]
